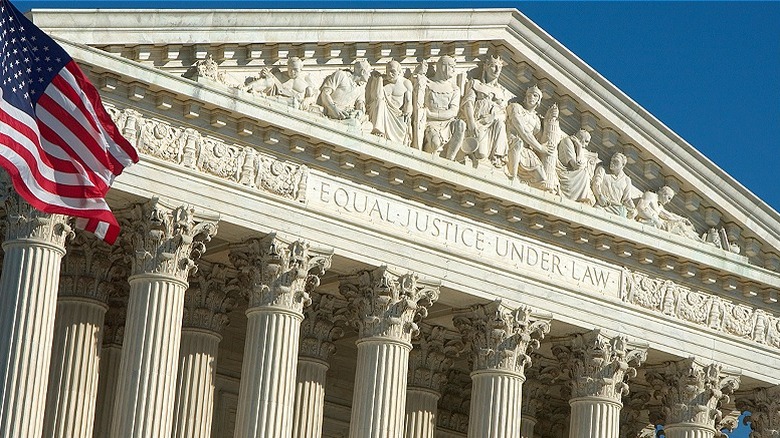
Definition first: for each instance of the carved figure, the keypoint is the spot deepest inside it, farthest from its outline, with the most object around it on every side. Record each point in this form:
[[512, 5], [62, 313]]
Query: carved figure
[[389, 100], [651, 210], [614, 191], [437, 110], [532, 149], [293, 85], [484, 109], [576, 166], [343, 93]]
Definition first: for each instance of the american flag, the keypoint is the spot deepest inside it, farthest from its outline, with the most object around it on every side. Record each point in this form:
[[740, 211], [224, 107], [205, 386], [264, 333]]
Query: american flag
[[57, 142]]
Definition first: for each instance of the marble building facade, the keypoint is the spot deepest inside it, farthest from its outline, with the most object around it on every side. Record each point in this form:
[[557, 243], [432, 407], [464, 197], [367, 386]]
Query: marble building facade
[[385, 224]]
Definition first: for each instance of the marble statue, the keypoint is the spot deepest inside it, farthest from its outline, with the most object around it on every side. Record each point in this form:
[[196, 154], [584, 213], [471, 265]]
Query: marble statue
[[438, 104], [343, 93], [532, 144], [389, 104], [291, 85], [651, 209], [614, 190], [484, 110], [576, 166]]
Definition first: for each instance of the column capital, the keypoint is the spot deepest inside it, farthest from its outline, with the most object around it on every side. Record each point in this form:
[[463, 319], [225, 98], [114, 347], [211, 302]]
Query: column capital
[[165, 240], [385, 304], [456, 396], [116, 317], [633, 422], [274, 272], [23, 222], [208, 299], [764, 407], [429, 359], [91, 269], [321, 326], [692, 392], [534, 393], [598, 364], [501, 338]]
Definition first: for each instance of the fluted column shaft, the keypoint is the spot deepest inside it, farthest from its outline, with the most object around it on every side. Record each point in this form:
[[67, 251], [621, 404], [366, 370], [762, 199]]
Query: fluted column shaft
[[379, 400], [28, 303], [195, 383], [496, 398], [688, 430], [110, 358], [147, 376], [73, 377], [527, 425], [421, 407], [594, 417], [309, 398]]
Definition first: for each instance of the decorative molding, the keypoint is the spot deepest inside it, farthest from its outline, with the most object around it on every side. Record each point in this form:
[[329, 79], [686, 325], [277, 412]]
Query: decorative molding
[[696, 307], [385, 304], [500, 337], [277, 273]]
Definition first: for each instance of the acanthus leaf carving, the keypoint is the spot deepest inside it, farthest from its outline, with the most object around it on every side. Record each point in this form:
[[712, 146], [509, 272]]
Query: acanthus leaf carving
[[209, 298], [92, 269], [429, 359], [764, 407], [24, 222], [322, 325]]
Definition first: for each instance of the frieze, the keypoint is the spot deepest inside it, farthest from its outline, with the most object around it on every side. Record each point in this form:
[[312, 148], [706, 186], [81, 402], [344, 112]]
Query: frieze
[[191, 149], [717, 313]]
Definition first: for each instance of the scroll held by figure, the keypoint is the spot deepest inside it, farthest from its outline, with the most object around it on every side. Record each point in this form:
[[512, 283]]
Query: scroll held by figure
[[389, 102]]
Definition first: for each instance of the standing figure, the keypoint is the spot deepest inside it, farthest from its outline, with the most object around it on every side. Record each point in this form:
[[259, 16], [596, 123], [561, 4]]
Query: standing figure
[[389, 100], [343, 93], [614, 191], [438, 104], [484, 109], [576, 166], [532, 149]]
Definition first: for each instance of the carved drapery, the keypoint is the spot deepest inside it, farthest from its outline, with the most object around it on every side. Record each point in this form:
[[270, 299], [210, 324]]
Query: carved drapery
[[387, 305], [691, 392], [599, 365], [500, 338], [764, 407]]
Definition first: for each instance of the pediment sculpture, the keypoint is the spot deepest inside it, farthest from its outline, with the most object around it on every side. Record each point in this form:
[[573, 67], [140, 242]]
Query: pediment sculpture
[[472, 118]]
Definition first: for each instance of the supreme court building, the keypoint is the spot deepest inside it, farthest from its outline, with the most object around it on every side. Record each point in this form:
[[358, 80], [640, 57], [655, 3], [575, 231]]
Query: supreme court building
[[383, 224]]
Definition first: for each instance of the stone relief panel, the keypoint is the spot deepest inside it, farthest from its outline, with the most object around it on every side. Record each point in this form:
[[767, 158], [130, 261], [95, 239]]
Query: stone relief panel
[[470, 117], [232, 162], [714, 312]]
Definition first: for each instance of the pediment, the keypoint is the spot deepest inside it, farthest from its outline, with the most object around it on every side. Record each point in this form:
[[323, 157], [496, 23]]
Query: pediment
[[196, 69]]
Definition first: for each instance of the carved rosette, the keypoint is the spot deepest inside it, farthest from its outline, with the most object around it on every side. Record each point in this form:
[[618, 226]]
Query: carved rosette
[[501, 338], [764, 407], [165, 241], [599, 365], [385, 304], [691, 392], [429, 360], [23, 222], [321, 326], [91, 269], [209, 298], [275, 273]]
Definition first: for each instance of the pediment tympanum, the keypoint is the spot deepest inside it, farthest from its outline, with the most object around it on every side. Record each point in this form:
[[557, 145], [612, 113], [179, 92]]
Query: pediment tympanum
[[476, 112]]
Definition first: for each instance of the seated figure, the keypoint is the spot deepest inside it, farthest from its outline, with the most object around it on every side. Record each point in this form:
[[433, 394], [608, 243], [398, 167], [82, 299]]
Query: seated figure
[[437, 103], [575, 167], [343, 93], [293, 85], [614, 191], [484, 110], [389, 101], [651, 209]]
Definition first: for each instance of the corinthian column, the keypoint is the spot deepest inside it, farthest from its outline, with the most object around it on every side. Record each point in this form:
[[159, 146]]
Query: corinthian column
[[88, 271], [500, 339], [34, 245], [206, 305], [764, 407], [110, 358], [318, 332], [428, 364], [274, 275], [598, 366], [691, 393], [164, 242], [534, 392], [384, 306]]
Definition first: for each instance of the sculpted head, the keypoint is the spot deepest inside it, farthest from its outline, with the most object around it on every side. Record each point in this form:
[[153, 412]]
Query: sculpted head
[[445, 67], [491, 68], [617, 163], [294, 67], [665, 194], [584, 137], [393, 71], [533, 97], [362, 71]]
